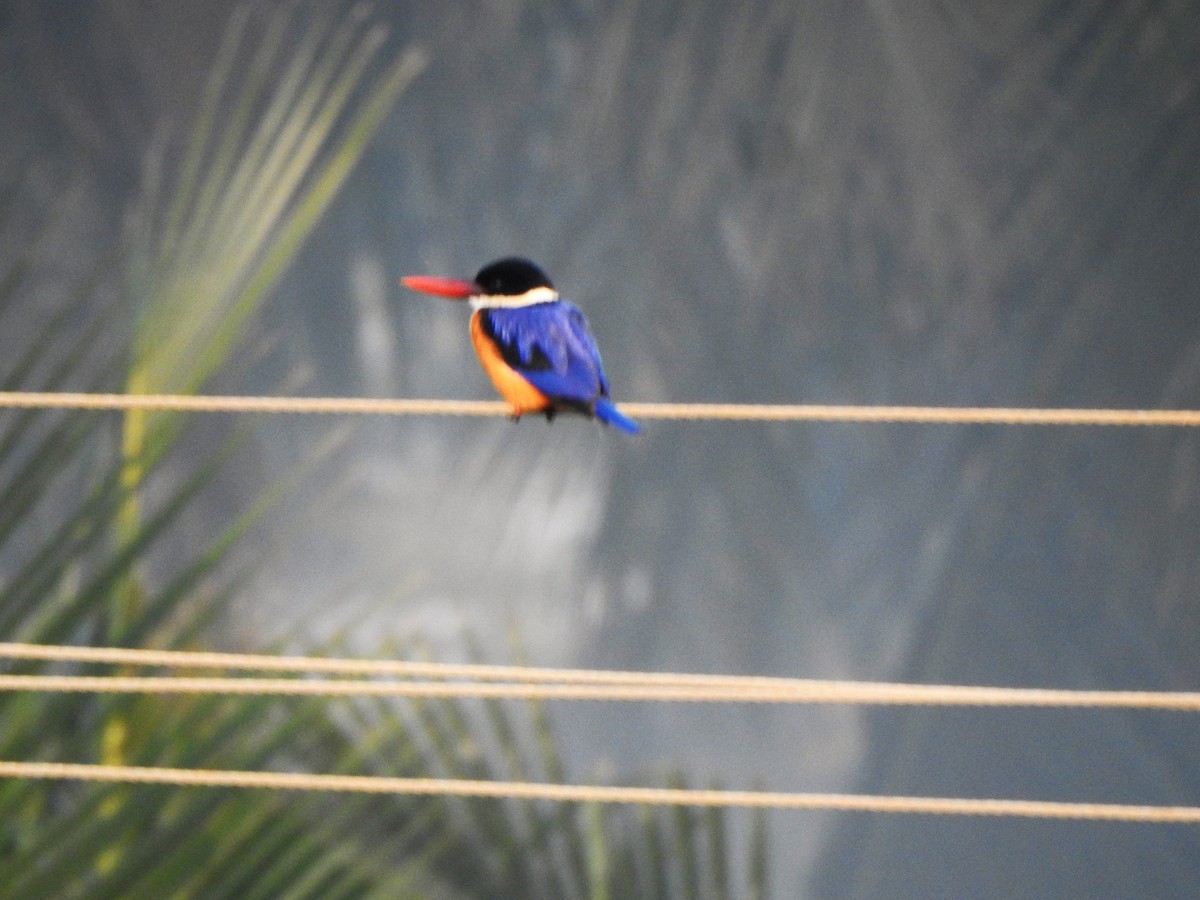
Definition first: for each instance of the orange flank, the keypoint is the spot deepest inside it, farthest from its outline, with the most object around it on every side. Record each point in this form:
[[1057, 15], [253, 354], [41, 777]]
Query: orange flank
[[522, 396]]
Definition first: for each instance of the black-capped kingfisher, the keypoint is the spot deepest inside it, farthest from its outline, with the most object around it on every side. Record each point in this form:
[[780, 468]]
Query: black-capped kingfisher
[[536, 347]]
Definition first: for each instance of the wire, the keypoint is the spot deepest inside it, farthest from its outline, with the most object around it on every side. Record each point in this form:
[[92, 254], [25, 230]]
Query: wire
[[813, 692], [299, 781], [570, 684], [374, 667], [945, 415], [527, 683]]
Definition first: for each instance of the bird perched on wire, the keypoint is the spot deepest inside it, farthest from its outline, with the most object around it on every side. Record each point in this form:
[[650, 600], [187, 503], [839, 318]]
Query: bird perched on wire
[[536, 347]]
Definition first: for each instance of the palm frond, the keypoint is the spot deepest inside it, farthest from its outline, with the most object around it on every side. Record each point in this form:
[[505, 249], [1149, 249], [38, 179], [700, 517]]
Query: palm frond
[[87, 499]]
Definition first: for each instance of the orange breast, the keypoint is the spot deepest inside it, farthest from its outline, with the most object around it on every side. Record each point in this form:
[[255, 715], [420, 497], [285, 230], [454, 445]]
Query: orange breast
[[520, 394]]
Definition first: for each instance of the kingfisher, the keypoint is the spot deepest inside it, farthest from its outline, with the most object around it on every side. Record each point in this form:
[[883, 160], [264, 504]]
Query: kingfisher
[[536, 347]]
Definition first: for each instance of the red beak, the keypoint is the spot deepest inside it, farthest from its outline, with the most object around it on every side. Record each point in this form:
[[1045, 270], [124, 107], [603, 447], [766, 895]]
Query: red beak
[[455, 288]]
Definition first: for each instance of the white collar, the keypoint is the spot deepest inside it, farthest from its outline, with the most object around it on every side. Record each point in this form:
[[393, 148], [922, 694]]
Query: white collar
[[531, 297]]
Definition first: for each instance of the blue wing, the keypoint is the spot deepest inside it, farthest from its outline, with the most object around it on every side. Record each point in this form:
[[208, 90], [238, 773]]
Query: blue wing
[[552, 347]]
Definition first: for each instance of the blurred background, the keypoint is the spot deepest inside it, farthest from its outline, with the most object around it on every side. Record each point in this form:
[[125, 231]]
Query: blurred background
[[925, 203]]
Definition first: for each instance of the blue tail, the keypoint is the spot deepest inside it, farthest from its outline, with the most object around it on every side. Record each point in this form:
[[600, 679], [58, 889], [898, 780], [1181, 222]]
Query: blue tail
[[607, 413]]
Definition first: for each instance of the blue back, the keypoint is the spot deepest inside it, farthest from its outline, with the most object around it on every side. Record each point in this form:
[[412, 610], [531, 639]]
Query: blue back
[[551, 346]]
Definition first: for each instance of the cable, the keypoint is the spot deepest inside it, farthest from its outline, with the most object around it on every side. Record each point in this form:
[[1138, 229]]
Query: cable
[[813, 692], [542, 684], [298, 781], [578, 684], [945, 415], [524, 682], [199, 403], [374, 667]]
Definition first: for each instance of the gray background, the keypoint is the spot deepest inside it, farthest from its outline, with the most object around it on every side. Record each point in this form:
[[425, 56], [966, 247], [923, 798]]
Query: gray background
[[867, 202]]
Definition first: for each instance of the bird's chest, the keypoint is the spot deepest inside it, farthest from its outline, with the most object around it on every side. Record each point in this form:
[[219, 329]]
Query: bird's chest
[[501, 361]]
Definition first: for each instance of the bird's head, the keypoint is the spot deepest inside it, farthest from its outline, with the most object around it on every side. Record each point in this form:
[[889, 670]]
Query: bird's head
[[510, 282]]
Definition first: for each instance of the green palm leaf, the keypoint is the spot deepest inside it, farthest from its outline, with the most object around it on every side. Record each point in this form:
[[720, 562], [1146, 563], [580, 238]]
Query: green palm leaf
[[286, 114]]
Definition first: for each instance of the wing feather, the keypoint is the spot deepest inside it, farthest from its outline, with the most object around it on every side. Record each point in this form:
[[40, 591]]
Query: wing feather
[[552, 347]]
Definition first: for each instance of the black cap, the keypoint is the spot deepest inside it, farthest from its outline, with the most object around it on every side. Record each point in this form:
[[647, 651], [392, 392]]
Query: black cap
[[511, 277]]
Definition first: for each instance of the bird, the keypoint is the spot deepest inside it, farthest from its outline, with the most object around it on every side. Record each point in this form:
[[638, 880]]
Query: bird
[[537, 348]]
